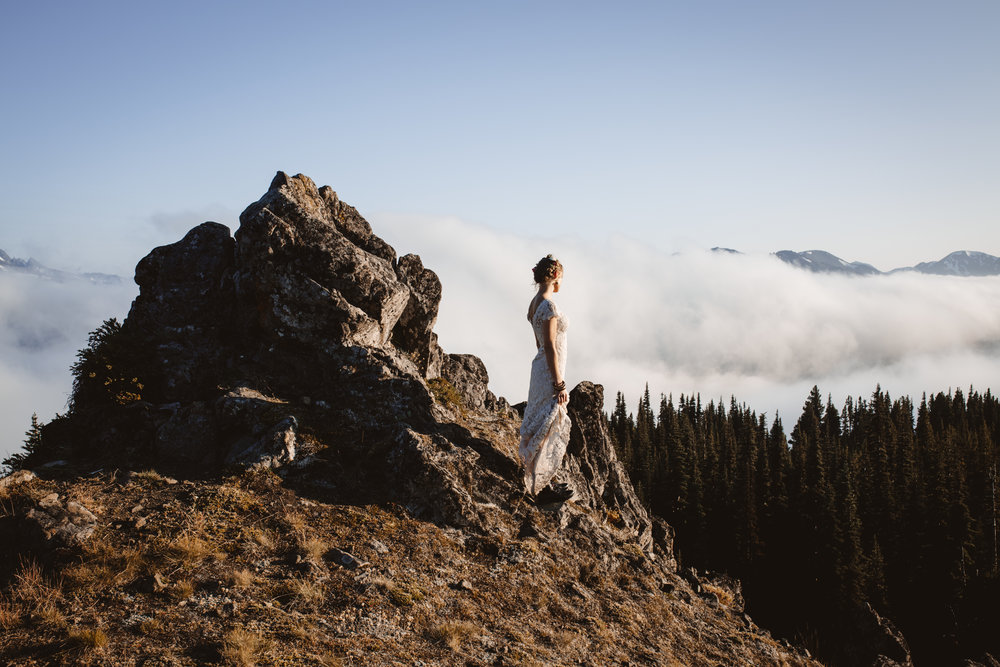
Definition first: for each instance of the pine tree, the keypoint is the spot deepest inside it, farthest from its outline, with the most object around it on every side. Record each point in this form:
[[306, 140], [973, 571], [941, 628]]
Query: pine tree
[[849, 564], [867, 504], [32, 444]]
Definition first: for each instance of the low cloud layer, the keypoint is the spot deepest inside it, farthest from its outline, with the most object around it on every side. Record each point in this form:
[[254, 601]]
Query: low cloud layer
[[42, 325], [716, 324], [711, 323]]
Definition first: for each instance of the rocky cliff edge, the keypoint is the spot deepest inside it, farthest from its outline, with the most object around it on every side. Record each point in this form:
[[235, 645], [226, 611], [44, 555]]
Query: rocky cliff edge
[[338, 470]]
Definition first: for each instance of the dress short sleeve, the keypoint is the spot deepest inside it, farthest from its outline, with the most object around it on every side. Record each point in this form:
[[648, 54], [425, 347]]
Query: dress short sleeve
[[546, 310]]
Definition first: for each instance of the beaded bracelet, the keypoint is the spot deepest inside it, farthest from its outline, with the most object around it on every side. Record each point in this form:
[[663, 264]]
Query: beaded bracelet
[[559, 386]]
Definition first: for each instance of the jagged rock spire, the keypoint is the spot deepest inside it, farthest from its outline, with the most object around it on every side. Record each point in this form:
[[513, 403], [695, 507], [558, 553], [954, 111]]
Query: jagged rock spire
[[304, 343]]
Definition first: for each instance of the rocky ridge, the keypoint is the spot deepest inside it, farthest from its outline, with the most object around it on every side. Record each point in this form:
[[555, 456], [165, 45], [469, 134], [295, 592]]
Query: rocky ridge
[[33, 267], [820, 261], [330, 452], [960, 263]]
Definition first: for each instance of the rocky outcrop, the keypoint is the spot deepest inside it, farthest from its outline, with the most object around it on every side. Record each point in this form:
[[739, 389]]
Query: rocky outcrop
[[15, 478], [305, 345], [467, 373], [879, 641], [64, 523], [291, 379], [414, 332], [300, 277], [597, 475], [183, 315], [40, 524]]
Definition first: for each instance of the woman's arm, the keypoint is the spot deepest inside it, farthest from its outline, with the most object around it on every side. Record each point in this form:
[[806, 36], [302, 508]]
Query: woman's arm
[[551, 356], [531, 314]]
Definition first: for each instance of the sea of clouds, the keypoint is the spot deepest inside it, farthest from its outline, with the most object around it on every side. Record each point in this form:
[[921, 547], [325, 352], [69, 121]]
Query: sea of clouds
[[713, 323], [42, 325], [716, 324]]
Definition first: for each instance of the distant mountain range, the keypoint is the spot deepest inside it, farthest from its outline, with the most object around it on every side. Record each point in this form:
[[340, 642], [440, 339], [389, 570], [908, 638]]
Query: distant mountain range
[[10, 264], [959, 263], [821, 261]]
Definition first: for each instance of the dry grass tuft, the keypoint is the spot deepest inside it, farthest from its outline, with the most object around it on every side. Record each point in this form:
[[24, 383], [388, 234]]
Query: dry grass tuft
[[242, 648], [590, 575], [37, 596], [330, 660], [104, 565], [725, 597], [48, 615], [567, 640], [258, 537], [182, 590], [30, 580], [87, 639], [401, 595], [10, 616], [242, 578], [296, 522], [87, 576], [236, 499], [151, 627], [191, 548], [148, 475], [452, 633], [32, 587], [313, 548], [304, 590], [521, 659], [302, 631]]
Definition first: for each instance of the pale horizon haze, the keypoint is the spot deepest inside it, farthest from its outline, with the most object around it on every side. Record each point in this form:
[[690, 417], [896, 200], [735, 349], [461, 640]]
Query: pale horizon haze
[[627, 138]]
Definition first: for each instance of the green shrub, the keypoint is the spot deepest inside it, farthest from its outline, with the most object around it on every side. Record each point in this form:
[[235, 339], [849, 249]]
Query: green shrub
[[106, 371], [445, 393]]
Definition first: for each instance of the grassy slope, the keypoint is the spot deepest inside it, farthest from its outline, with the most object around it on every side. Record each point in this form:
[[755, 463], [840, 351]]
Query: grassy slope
[[244, 570]]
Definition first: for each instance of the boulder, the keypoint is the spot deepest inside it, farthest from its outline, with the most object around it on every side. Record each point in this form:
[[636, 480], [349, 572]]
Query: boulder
[[183, 316], [663, 542], [189, 437], [414, 332], [467, 373], [597, 475], [273, 449], [299, 277], [16, 477], [58, 523], [878, 641]]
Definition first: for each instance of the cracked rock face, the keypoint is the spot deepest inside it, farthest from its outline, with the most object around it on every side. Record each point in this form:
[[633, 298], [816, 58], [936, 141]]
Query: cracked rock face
[[596, 472], [184, 310], [307, 280]]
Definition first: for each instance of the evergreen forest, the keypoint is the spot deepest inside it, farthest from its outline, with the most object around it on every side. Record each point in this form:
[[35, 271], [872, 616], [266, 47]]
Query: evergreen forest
[[880, 502]]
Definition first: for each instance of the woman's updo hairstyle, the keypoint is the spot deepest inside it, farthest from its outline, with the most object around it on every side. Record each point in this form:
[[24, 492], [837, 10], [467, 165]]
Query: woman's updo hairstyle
[[548, 267]]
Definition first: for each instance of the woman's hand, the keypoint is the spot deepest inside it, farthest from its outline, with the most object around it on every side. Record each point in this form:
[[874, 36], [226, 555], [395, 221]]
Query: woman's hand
[[562, 397]]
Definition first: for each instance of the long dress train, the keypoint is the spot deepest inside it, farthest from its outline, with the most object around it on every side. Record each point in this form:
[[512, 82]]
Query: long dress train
[[545, 428]]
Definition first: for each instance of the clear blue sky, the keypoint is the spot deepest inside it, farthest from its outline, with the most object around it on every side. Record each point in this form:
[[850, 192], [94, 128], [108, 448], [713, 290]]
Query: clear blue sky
[[869, 129], [485, 134]]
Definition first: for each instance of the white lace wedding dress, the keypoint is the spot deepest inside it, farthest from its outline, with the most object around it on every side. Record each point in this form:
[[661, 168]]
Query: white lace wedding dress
[[546, 425]]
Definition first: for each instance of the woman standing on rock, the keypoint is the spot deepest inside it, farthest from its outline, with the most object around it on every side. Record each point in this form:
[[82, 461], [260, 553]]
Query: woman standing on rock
[[546, 425]]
